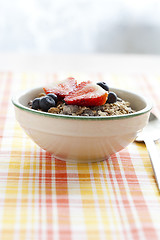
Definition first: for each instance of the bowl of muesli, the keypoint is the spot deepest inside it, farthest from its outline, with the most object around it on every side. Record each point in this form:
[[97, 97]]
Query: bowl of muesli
[[85, 122]]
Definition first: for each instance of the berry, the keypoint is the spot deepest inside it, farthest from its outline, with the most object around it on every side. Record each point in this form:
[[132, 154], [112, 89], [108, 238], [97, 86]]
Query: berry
[[35, 104], [103, 85], [52, 95], [46, 103], [87, 94], [63, 88], [112, 98]]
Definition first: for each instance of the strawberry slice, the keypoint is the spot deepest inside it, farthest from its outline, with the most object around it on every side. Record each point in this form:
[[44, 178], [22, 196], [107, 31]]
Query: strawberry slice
[[87, 94], [63, 88]]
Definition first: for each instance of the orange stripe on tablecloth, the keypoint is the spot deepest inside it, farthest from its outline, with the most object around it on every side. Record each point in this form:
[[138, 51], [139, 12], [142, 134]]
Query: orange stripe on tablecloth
[[126, 202], [139, 203], [40, 194], [48, 187], [62, 200]]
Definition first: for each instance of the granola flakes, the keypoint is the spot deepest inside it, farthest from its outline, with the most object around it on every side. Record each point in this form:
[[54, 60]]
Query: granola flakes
[[109, 109]]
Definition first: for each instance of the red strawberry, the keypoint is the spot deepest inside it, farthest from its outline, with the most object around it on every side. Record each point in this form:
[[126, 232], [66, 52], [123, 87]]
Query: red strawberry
[[87, 94], [63, 88]]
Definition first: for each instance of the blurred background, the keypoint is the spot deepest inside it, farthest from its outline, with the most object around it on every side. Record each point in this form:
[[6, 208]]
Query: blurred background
[[80, 26]]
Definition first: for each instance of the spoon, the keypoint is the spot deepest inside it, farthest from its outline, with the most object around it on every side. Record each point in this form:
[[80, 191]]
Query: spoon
[[149, 135]]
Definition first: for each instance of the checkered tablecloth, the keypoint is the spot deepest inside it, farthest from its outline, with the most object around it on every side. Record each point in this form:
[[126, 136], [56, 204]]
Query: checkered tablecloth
[[44, 198]]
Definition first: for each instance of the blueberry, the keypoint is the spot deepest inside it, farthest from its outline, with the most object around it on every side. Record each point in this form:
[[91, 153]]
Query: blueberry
[[46, 103], [35, 103], [54, 96], [103, 85], [112, 97]]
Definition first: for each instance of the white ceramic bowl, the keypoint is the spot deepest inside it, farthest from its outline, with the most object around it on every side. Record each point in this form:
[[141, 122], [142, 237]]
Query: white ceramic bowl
[[82, 139]]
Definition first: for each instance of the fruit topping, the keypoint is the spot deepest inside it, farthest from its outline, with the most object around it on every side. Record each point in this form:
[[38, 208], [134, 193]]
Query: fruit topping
[[103, 85], [46, 103], [35, 104], [63, 88], [87, 94], [112, 97], [52, 95]]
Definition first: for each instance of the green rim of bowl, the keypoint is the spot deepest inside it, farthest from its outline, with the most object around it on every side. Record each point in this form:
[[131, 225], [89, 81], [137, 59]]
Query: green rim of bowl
[[115, 117]]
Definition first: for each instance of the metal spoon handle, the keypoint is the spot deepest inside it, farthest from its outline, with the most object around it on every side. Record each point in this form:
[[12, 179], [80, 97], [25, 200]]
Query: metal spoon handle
[[155, 159]]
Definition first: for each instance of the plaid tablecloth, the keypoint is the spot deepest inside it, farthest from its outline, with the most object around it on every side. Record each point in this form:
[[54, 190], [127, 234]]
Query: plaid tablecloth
[[45, 198]]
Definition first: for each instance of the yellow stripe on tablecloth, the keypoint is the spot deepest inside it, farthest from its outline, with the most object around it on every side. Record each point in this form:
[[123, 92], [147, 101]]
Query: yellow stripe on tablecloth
[[142, 150], [102, 211], [10, 211], [89, 211], [75, 203], [12, 186], [26, 197], [149, 190], [111, 200], [97, 188], [108, 190]]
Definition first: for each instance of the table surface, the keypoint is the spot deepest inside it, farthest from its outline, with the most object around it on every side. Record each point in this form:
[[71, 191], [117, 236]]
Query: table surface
[[45, 198], [80, 63]]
